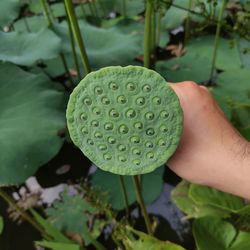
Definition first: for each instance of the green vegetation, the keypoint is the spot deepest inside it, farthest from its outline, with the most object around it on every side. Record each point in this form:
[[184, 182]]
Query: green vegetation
[[46, 47]]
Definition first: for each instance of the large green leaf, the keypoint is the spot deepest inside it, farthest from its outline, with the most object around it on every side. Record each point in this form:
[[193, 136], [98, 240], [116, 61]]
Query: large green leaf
[[151, 186], [73, 214], [9, 10], [31, 24], [180, 197], [1, 224], [175, 16], [227, 50], [214, 233], [104, 46], [28, 48], [181, 69], [58, 245], [147, 242], [132, 7], [31, 113], [209, 196]]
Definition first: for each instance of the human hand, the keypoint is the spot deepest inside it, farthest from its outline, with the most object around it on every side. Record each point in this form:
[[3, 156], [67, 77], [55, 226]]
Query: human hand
[[211, 152]]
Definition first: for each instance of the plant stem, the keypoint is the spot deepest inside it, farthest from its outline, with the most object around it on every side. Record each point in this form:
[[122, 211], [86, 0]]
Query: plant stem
[[147, 33], [125, 195], [95, 9], [72, 44], [153, 36], [187, 24], [217, 37], [158, 28], [25, 215], [46, 13], [82, 8], [124, 8], [142, 204], [77, 35], [26, 24]]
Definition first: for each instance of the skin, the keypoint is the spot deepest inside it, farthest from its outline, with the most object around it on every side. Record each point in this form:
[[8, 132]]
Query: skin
[[211, 151]]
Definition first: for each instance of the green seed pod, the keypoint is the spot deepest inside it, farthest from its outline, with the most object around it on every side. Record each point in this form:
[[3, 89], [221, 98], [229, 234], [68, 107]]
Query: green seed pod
[[126, 120]]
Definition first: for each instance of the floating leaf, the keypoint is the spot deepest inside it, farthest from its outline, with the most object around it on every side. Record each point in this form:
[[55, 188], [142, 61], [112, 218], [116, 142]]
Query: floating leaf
[[126, 120], [58, 245], [73, 214], [31, 24], [28, 48], [209, 196], [31, 114], [181, 198], [151, 187], [214, 233], [227, 50], [9, 10], [181, 69]]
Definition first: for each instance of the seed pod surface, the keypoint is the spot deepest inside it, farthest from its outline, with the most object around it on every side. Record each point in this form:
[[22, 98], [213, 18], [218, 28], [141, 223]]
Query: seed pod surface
[[126, 120]]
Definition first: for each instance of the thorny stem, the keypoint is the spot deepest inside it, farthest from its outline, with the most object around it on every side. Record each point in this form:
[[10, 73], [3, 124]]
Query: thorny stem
[[72, 45], [77, 35], [187, 24], [217, 37], [125, 195], [147, 33], [25, 215], [142, 204]]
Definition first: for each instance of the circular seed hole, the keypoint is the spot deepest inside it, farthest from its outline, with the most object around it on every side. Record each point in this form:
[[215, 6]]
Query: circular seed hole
[[96, 111], [149, 115], [140, 101], [121, 99], [84, 116], [98, 135], [149, 144], [94, 123], [87, 101], [105, 101], [102, 147], [150, 131], [98, 90], [113, 86], [150, 155], [157, 100], [131, 113], [146, 88], [137, 162], [130, 86], [108, 126], [123, 129], [161, 142], [136, 151], [90, 142], [164, 114], [84, 130], [121, 147], [107, 157], [122, 158], [135, 139], [163, 129], [111, 140], [113, 113], [138, 125]]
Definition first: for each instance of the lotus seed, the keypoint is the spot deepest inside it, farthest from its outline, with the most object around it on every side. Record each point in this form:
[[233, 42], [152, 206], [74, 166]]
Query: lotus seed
[[136, 151], [140, 101], [131, 113], [98, 135], [108, 126], [163, 129], [138, 125], [102, 147], [150, 155], [121, 99], [123, 129], [130, 87], [111, 140], [113, 86], [150, 131], [149, 116], [107, 157], [146, 88], [90, 142], [121, 147], [98, 90], [157, 100], [135, 139], [105, 101], [149, 144], [122, 158], [84, 116], [96, 111], [87, 101], [137, 162], [114, 113], [95, 123], [164, 114], [84, 130], [161, 142]]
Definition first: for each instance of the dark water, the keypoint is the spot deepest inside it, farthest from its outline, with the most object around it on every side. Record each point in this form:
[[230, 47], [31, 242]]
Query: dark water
[[67, 168]]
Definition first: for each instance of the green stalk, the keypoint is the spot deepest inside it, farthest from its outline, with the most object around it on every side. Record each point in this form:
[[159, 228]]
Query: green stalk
[[153, 36], [125, 195], [147, 33], [217, 37], [142, 204], [46, 13], [72, 44], [158, 28], [187, 24], [25, 215], [124, 8], [77, 34], [95, 9]]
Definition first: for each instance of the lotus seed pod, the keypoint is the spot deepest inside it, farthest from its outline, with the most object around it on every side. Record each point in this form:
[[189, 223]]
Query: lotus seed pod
[[126, 120]]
